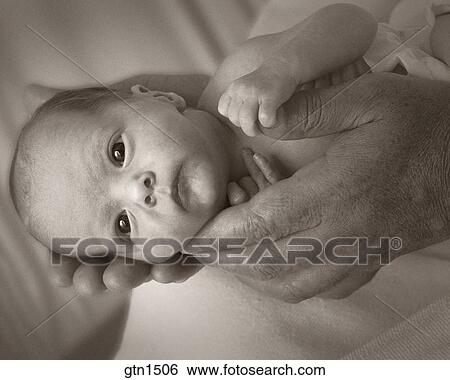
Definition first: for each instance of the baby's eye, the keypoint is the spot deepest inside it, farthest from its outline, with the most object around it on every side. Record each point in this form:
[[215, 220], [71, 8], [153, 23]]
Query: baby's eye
[[118, 152], [123, 225]]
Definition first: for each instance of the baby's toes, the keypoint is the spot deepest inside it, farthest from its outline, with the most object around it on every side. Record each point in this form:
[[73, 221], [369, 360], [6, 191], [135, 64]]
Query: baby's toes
[[224, 103], [248, 116], [233, 110], [268, 113]]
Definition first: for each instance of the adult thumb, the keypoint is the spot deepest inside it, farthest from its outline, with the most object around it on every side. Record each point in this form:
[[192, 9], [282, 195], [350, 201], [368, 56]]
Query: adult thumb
[[324, 111], [286, 207]]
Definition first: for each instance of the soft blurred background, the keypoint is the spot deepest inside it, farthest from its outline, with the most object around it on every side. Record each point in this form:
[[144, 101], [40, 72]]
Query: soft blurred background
[[210, 316]]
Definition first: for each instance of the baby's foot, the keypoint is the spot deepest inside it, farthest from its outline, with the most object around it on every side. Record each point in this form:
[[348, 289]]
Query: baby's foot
[[257, 97]]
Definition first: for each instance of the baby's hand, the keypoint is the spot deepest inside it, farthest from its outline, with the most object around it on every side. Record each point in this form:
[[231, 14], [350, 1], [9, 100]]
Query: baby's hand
[[257, 95], [261, 175]]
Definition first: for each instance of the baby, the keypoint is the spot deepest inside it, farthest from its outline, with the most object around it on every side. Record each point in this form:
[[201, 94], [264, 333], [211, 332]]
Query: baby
[[135, 164]]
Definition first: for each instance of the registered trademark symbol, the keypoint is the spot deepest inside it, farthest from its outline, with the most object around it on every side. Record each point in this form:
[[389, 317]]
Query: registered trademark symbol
[[396, 243]]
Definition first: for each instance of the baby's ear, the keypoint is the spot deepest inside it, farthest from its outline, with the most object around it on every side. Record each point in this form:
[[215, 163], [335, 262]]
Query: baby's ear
[[35, 95], [170, 97]]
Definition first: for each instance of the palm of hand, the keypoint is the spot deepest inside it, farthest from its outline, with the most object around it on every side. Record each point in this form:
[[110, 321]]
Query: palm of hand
[[378, 178]]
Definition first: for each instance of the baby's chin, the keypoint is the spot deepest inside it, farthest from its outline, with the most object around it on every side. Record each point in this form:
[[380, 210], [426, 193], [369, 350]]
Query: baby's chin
[[203, 188]]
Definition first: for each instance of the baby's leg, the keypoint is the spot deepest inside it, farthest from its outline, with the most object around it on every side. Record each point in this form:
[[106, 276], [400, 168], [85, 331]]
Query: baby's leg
[[280, 15]]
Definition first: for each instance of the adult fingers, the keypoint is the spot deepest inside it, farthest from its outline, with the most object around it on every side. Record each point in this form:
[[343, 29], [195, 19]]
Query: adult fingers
[[323, 111], [286, 207], [167, 273], [350, 284], [125, 274], [88, 279], [62, 269], [329, 279], [312, 281]]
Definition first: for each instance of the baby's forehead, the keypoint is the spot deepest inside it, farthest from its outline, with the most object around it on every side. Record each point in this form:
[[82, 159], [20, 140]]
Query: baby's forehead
[[65, 164], [65, 128], [68, 201]]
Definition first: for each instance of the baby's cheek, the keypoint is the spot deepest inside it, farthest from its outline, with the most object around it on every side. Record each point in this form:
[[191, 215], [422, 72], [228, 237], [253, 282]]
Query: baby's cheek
[[207, 189]]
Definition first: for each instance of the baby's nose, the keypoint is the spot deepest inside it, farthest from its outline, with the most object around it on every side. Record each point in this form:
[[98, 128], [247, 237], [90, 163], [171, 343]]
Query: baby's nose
[[142, 189]]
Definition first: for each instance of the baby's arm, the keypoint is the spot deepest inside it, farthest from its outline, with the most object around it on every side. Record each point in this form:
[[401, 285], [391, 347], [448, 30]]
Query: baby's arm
[[261, 175], [331, 38], [440, 34]]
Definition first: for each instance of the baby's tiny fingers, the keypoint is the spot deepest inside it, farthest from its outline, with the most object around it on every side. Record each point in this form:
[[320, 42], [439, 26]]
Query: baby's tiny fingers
[[236, 194], [253, 169], [224, 103], [270, 172], [249, 185], [268, 113]]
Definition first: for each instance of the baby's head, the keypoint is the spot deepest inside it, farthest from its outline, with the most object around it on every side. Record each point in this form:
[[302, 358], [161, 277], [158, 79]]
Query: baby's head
[[101, 163]]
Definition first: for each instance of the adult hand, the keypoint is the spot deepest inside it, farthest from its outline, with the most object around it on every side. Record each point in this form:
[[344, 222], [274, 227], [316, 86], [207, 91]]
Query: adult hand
[[117, 275], [386, 174]]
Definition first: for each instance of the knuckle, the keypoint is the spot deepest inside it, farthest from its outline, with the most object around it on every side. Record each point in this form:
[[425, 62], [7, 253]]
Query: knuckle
[[305, 112], [265, 272], [257, 225], [314, 114], [292, 294]]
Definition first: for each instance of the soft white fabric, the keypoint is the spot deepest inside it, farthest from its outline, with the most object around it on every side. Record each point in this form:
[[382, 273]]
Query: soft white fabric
[[410, 47], [424, 336]]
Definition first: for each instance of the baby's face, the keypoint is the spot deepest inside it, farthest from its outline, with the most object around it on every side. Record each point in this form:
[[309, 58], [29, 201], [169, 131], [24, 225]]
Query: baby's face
[[143, 170]]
